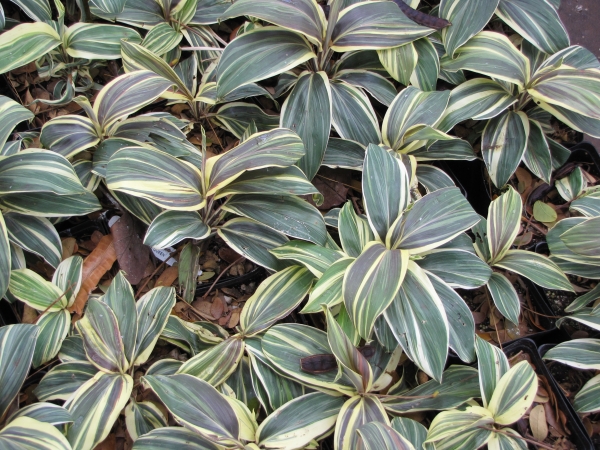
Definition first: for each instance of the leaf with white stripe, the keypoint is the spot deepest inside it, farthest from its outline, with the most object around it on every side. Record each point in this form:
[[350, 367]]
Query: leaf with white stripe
[[432, 221], [161, 38], [156, 176], [143, 417], [354, 231], [274, 299], [418, 320], [427, 70], [467, 17], [580, 353], [492, 365], [5, 256], [26, 432], [307, 111], [353, 116], [458, 268], [504, 219], [412, 430], [503, 145], [538, 268], [376, 435], [580, 238], [215, 364], [400, 62], [36, 235], [237, 117], [376, 85], [537, 156], [514, 394], [95, 407], [97, 41], [384, 205], [328, 290], [505, 297], [372, 26], [32, 289], [63, 380], [356, 412], [11, 114], [43, 412], [371, 283], [171, 227], [537, 21], [177, 437], [315, 258], [54, 326], [260, 54], [586, 400], [476, 99], [492, 54], [26, 43], [576, 121], [69, 135]]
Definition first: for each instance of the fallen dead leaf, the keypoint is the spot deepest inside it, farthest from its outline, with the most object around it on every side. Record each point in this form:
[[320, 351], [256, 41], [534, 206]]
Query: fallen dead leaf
[[132, 254], [538, 423], [95, 265], [69, 247], [168, 277]]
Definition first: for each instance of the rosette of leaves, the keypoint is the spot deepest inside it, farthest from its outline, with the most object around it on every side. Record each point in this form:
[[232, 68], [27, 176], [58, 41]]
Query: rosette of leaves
[[582, 354], [256, 180], [36, 425], [581, 198], [34, 184], [389, 276], [301, 47], [52, 299], [506, 393], [61, 51], [494, 238], [117, 334]]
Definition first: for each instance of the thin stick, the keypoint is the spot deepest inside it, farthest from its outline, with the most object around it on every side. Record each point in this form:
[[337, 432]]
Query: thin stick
[[221, 274], [531, 441]]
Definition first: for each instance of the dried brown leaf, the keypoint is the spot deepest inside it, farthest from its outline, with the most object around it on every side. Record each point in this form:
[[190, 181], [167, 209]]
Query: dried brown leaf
[[95, 265], [168, 277], [132, 254], [537, 423], [69, 247]]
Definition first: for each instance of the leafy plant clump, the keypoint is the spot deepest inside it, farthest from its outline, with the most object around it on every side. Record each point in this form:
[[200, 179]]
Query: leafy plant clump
[[232, 224]]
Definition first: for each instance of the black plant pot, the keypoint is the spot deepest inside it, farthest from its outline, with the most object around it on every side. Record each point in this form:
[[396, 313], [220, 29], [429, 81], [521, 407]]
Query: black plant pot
[[231, 281], [7, 315], [578, 436], [82, 229], [584, 152], [470, 176]]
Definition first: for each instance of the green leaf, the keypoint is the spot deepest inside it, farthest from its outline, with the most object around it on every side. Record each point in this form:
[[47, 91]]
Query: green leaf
[[237, 117], [69, 135], [371, 283], [354, 231], [161, 39], [97, 41], [372, 26], [143, 417], [63, 380], [476, 99], [537, 156], [274, 299], [513, 394], [467, 17], [432, 221], [253, 240], [505, 297], [400, 62], [356, 412], [572, 186], [276, 148], [376, 435], [580, 353], [580, 239], [503, 144], [152, 311], [412, 430], [458, 268], [461, 325], [379, 87], [197, 405], [17, 343], [54, 326], [101, 337], [126, 94], [328, 290], [538, 268], [492, 364], [156, 176], [32, 289], [188, 270], [586, 400], [504, 219], [304, 16], [307, 111], [38, 10], [296, 423], [289, 215], [36, 235], [215, 364], [427, 71], [315, 258], [418, 320], [111, 7], [43, 412], [25, 43], [586, 316], [576, 121], [178, 437], [95, 407], [286, 344], [171, 227], [26, 432], [538, 22], [459, 385], [11, 114], [353, 116], [384, 205], [411, 108], [5, 257], [455, 423], [260, 54], [491, 54]]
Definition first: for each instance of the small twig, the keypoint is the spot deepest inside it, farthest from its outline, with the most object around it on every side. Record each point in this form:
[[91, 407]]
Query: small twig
[[531, 441], [536, 226], [539, 314], [54, 302], [221, 274]]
